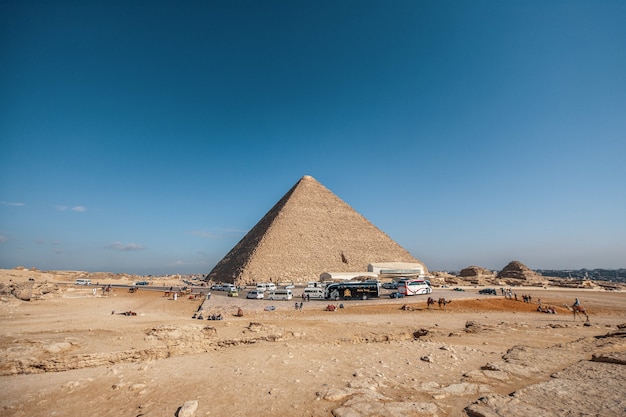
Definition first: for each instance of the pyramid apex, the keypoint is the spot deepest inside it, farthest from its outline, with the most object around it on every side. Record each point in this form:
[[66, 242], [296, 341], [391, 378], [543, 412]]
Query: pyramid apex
[[307, 177]]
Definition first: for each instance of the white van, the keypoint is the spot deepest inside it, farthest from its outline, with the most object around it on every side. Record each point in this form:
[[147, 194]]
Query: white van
[[266, 286], [314, 293], [255, 295], [281, 294], [229, 287], [83, 282]]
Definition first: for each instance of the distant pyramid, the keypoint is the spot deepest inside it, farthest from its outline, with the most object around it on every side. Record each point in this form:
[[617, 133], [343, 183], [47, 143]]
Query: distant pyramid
[[309, 231]]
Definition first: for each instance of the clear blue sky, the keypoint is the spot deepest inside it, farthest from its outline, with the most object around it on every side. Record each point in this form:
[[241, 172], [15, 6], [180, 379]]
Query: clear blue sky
[[149, 137]]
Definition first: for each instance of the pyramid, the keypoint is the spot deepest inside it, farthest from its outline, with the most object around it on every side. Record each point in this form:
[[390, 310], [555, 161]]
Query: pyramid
[[308, 231]]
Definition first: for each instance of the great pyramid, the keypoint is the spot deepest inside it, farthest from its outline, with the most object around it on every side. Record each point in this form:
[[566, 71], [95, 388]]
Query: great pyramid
[[308, 231]]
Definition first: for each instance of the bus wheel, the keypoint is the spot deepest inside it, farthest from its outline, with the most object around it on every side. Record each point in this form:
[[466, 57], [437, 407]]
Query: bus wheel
[[365, 297]]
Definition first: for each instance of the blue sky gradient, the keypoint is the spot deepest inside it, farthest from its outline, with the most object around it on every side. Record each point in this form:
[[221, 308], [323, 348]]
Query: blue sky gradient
[[149, 138]]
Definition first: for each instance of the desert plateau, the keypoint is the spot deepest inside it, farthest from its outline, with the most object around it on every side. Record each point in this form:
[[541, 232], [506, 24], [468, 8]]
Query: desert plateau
[[70, 351]]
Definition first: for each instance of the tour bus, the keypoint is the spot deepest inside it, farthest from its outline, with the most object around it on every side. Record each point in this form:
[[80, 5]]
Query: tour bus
[[353, 290], [280, 294], [414, 287]]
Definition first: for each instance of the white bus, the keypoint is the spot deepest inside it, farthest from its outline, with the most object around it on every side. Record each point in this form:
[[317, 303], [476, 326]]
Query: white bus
[[280, 294], [414, 287]]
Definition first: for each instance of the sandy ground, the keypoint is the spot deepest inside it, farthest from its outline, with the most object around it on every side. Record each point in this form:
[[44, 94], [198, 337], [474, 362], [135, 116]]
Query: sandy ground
[[73, 354]]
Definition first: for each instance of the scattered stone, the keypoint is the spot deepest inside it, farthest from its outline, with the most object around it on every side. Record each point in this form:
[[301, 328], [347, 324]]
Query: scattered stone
[[188, 409], [490, 367], [618, 358], [420, 333]]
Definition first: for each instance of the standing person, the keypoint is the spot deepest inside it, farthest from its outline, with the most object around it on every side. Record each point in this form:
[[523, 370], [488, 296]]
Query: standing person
[[300, 305], [296, 305]]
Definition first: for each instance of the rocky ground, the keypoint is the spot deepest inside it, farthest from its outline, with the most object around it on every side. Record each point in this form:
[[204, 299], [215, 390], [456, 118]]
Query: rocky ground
[[68, 352]]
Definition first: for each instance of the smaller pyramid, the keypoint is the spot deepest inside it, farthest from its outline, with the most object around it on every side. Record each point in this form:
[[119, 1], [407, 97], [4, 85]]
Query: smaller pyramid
[[308, 231], [517, 270]]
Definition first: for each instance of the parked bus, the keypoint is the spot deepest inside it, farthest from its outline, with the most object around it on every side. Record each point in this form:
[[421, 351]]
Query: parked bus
[[414, 287], [353, 290], [280, 294]]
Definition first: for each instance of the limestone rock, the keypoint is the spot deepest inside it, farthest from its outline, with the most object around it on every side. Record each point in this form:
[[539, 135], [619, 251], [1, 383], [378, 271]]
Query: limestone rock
[[188, 409]]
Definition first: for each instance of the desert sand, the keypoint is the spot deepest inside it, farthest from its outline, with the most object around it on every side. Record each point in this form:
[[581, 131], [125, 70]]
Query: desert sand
[[69, 352]]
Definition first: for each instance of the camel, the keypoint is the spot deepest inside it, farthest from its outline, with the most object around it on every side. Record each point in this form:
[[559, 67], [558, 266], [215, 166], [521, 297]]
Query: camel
[[577, 310], [442, 302], [430, 303]]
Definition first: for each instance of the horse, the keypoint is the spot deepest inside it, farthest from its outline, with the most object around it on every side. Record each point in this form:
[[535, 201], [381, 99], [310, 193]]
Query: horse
[[430, 303], [442, 302], [577, 310]]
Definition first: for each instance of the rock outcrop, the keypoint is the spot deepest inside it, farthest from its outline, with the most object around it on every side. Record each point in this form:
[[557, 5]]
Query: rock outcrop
[[27, 290]]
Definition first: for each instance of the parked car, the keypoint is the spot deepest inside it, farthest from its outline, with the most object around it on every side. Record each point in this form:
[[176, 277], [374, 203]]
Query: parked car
[[390, 285], [255, 295], [458, 289], [396, 294], [141, 283], [217, 287], [491, 291], [233, 293]]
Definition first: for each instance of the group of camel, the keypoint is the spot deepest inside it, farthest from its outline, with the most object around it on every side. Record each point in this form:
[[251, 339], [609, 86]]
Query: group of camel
[[442, 303], [577, 310]]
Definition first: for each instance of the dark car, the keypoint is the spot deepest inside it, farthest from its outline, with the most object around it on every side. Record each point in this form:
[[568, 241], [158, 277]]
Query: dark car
[[396, 294], [458, 289], [390, 285], [141, 283], [490, 291]]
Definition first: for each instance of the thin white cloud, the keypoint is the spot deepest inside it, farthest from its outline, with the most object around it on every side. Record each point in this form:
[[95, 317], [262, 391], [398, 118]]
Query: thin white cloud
[[125, 247], [11, 204], [203, 234], [79, 209], [3, 239]]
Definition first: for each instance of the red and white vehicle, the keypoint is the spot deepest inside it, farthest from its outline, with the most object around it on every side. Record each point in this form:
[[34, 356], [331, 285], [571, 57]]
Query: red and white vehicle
[[414, 287]]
